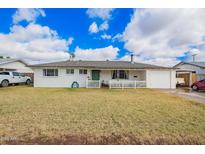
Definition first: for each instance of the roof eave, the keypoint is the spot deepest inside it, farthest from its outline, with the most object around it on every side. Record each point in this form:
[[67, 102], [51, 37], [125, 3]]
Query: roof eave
[[188, 64], [41, 66], [6, 62]]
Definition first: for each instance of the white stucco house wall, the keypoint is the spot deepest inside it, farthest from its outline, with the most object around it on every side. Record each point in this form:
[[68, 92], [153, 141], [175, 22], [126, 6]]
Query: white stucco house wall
[[196, 67], [96, 74]]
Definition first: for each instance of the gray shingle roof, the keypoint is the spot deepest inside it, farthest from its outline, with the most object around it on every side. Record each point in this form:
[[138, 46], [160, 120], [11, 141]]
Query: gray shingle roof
[[199, 64], [100, 65]]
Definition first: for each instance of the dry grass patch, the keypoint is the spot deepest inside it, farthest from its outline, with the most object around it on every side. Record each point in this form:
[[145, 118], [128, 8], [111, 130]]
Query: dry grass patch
[[98, 116]]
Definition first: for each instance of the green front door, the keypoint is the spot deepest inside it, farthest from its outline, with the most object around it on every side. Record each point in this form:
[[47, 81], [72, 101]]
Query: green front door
[[95, 75]]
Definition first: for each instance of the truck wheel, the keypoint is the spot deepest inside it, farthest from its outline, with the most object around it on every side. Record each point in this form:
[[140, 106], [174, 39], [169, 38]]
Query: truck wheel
[[5, 83], [28, 82]]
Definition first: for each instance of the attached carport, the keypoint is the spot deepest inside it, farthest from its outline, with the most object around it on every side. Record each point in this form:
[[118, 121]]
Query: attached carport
[[189, 77]]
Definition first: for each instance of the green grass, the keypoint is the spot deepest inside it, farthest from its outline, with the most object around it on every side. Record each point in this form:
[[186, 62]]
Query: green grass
[[98, 116]]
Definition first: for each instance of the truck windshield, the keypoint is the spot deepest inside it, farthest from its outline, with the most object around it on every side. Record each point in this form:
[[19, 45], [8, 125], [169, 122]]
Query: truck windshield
[[4, 73]]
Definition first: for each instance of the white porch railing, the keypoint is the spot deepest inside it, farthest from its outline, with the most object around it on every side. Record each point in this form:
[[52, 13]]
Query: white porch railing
[[127, 84], [93, 84]]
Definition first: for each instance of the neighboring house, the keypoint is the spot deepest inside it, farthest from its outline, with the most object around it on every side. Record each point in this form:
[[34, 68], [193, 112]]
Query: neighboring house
[[95, 74], [191, 71], [9, 64]]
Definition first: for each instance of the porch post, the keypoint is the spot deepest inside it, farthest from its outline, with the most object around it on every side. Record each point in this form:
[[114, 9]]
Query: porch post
[[146, 79], [122, 84], [99, 84], [86, 83]]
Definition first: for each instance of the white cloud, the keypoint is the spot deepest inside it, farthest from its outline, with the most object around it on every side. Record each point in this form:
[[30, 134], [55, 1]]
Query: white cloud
[[194, 51], [164, 34], [31, 32], [200, 52], [104, 14], [118, 37], [109, 53], [93, 28], [162, 61], [70, 40], [30, 15], [128, 58], [104, 26], [105, 36], [33, 42], [154, 61]]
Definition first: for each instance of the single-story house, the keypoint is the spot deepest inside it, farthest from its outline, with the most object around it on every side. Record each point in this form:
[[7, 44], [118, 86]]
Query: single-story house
[[95, 74], [9, 64], [190, 71]]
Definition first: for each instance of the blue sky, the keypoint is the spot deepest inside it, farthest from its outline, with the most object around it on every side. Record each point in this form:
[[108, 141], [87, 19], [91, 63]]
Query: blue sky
[[76, 24], [152, 35]]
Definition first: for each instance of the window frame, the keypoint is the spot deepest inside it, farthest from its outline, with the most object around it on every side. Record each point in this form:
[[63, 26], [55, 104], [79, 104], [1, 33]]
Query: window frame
[[83, 71], [116, 74], [46, 74], [70, 71]]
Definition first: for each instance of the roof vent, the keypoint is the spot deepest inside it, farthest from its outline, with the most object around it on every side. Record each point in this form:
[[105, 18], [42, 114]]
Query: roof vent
[[132, 58], [72, 56], [193, 56]]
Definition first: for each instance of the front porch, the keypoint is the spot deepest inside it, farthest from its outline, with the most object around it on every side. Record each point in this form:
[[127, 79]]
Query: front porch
[[116, 79]]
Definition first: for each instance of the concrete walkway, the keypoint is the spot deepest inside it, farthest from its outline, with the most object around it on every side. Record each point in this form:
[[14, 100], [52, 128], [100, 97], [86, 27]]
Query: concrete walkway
[[187, 93]]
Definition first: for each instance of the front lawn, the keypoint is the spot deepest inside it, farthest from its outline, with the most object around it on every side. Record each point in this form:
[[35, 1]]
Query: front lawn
[[98, 116]]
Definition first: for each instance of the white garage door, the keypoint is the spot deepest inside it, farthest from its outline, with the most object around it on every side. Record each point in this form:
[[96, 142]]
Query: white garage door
[[159, 79]]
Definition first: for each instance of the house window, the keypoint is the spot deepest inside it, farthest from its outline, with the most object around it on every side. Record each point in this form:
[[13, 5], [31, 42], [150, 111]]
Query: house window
[[82, 71], [50, 72], [120, 74], [69, 71]]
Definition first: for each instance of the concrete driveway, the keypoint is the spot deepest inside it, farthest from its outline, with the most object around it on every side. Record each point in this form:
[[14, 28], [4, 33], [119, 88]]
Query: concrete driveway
[[198, 96]]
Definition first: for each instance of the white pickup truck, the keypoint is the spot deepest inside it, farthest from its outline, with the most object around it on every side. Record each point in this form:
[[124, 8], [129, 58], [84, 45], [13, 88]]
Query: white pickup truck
[[7, 77]]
